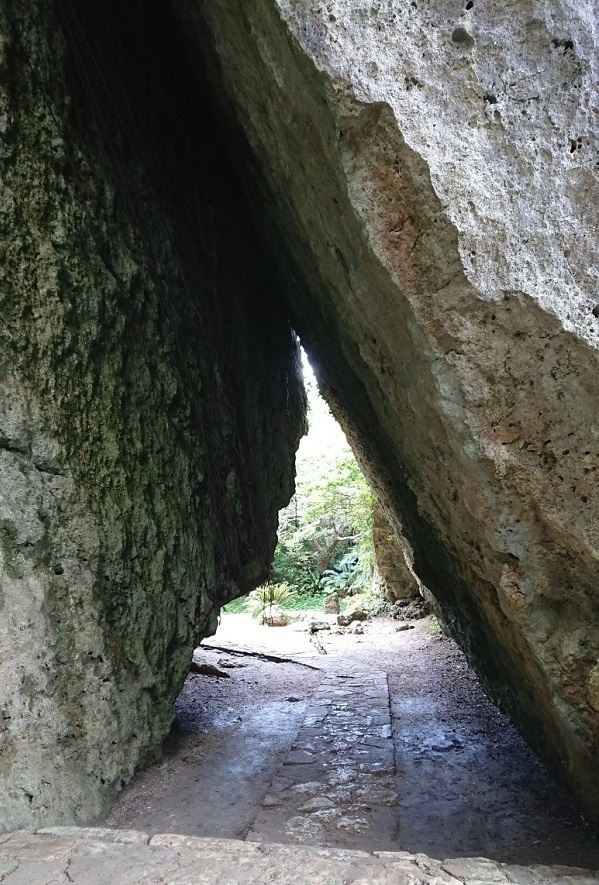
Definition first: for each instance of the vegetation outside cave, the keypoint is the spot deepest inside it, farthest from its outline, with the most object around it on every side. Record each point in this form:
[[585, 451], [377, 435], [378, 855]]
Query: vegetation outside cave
[[325, 532]]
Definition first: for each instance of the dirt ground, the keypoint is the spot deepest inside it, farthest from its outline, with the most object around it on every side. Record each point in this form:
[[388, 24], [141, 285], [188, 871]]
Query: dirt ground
[[467, 783]]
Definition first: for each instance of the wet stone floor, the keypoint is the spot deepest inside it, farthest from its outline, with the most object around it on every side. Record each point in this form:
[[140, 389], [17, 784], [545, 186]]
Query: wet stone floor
[[362, 759], [336, 785], [373, 742]]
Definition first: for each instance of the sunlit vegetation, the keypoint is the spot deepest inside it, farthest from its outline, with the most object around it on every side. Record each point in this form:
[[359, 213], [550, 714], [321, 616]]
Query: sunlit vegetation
[[325, 532]]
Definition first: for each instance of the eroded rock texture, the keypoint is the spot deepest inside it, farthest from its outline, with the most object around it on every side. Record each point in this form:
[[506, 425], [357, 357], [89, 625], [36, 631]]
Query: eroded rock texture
[[149, 402], [393, 558], [427, 174]]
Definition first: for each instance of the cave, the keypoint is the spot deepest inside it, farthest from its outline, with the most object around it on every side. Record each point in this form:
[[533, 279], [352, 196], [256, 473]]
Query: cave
[[187, 187]]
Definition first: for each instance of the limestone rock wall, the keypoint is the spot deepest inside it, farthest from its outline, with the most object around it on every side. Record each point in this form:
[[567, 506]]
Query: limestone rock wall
[[144, 362], [427, 174], [393, 575]]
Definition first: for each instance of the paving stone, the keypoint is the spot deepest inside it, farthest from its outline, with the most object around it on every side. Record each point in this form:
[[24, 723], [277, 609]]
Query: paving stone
[[539, 874], [299, 757], [27, 846], [343, 768], [7, 865], [129, 863], [187, 860], [99, 834], [38, 872], [192, 845], [485, 870]]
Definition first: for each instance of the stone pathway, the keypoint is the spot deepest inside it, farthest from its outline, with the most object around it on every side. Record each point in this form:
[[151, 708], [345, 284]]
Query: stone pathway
[[336, 786], [334, 791], [119, 857]]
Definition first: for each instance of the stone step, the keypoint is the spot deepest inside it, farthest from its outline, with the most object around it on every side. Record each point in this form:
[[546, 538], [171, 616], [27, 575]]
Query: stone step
[[122, 857], [337, 785]]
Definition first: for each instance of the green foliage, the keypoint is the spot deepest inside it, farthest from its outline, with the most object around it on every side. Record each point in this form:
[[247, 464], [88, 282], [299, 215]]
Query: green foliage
[[325, 533], [307, 602], [352, 573], [236, 607], [260, 602]]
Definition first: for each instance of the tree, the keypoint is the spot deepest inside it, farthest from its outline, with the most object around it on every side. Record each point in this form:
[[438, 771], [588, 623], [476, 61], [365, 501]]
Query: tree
[[325, 533]]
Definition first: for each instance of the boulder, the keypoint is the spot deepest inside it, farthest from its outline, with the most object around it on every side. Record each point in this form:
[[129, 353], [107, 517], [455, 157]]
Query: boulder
[[331, 604], [142, 341], [393, 560]]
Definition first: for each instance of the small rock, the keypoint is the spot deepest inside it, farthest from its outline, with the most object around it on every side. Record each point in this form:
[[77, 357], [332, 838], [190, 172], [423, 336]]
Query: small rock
[[353, 824], [356, 615], [292, 699], [274, 616], [204, 668], [315, 626], [271, 801], [229, 664], [317, 804], [409, 610], [331, 604], [357, 629], [307, 787], [403, 627]]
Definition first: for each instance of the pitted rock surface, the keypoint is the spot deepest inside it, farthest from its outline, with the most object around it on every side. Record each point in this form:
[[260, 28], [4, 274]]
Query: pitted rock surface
[[427, 175], [423, 207], [129, 432], [336, 786]]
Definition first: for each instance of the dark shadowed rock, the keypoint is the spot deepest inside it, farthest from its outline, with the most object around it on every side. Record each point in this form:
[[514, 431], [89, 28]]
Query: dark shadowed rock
[[144, 359]]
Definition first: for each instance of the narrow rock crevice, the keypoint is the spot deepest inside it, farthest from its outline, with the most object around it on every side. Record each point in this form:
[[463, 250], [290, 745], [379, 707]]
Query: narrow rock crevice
[[183, 185], [465, 397]]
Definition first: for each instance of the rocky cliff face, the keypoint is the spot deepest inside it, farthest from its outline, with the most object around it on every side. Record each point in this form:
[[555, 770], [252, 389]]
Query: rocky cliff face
[[394, 578], [144, 362], [427, 174], [424, 180]]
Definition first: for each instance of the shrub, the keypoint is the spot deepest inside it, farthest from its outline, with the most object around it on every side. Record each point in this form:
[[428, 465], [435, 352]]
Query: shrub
[[261, 601]]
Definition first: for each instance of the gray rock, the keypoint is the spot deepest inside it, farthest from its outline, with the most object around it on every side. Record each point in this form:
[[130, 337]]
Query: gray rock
[[454, 324], [394, 561], [345, 619], [331, 604], [128, 423], [430, 203], [203, 667], [27, 859]]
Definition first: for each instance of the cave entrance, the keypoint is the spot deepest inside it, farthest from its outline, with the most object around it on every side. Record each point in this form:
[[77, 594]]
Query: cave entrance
[[372, 735], [336, 553], [327, 550]]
